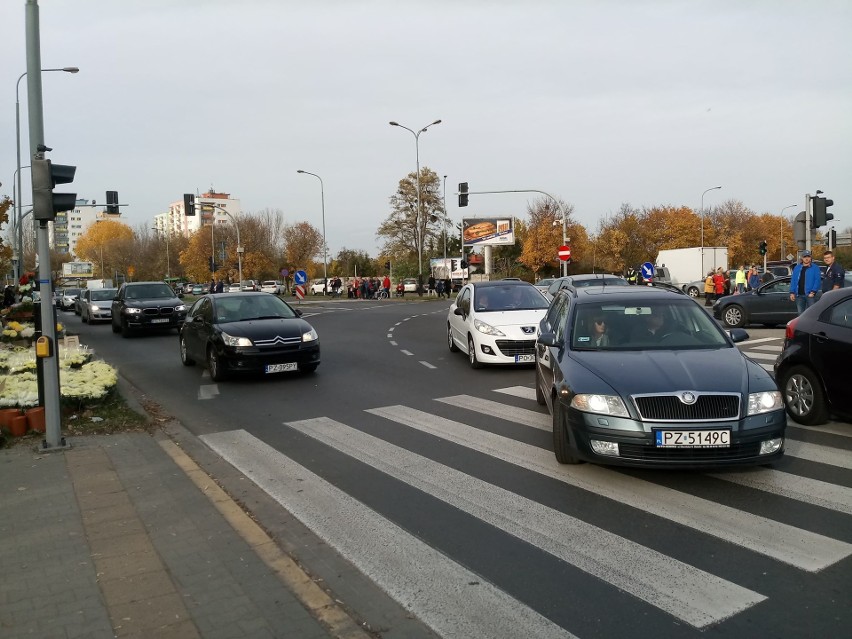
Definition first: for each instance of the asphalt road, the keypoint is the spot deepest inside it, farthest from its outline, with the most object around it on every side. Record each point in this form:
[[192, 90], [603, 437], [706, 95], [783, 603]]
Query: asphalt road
[[439, 484]]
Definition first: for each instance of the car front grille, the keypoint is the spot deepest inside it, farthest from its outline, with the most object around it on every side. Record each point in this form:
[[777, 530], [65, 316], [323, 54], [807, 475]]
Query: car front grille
[[734, 452], [157, 312], [510, 347], [279, 343], [670, 408]]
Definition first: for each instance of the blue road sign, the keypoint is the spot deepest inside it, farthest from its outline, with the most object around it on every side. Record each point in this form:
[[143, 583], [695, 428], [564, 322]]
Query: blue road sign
[[648, 271], [300, 277]]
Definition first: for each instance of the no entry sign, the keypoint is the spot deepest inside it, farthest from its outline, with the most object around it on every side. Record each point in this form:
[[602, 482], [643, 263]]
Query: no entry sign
[[564, 253]]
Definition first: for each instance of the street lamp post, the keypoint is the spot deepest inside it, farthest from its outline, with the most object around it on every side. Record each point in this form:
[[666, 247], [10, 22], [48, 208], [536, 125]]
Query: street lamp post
[[444, 198], [418, 234], [324, 245], [712, 188], [18, 170], [789, 206]]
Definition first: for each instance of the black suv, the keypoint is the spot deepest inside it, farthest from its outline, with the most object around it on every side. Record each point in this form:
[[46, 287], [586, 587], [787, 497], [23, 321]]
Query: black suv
[[146, 306]]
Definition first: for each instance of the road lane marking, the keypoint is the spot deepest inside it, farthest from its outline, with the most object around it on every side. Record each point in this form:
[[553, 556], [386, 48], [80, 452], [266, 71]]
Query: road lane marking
[[503, 411], [685, 592], [405, 352], [436, 589], [804, 489], [832, 428], [393, 343], [757, 355], [208, 391], [427, 364], [777, 348], [517, 391], [758, 340], [817, 453], [794, 546]]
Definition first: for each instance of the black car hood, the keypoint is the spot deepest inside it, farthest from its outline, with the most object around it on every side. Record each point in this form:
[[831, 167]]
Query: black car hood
[[262, 329], [722, 370], [154, 303]]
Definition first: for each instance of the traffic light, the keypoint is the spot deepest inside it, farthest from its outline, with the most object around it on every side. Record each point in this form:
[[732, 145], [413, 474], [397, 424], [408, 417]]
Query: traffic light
[[453, 264], [45, 176], [188, 204], [464, 263], [832, 239], [762, 247], [821, 215], [112, 201], [462, 193], [387, 265]]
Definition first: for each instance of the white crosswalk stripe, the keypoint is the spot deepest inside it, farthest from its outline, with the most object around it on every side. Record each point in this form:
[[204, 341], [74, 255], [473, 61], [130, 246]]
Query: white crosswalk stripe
[[437, 587]]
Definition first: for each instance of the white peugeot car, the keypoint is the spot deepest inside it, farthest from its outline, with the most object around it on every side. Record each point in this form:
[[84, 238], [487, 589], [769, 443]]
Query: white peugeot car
[[496, 322]]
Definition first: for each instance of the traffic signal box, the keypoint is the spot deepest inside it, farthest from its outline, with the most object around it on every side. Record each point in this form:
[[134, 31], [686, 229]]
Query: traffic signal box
[[45, 176], [762, 247], [463, 190], [821, 214], [188, 204], [112, 201]]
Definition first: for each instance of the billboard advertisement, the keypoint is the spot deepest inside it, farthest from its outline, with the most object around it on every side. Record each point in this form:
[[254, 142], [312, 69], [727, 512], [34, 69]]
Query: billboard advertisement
[[78, 269], [440, 267], [488, 231]]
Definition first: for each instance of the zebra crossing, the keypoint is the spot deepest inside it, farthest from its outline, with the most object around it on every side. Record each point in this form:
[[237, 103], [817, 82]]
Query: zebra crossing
[[482, 466], [763, 350]]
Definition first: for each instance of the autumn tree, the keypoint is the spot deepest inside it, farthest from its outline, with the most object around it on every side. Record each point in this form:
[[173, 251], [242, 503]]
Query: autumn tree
[[400, 229], [5, 249], [302, 244], [543, 233], [109, 245]]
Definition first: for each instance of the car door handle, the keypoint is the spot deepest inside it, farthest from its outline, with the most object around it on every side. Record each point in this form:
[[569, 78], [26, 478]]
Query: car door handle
[[821, 337]]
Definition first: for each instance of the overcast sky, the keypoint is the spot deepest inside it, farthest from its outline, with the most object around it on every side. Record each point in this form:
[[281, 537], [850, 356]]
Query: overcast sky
[[598, 103]]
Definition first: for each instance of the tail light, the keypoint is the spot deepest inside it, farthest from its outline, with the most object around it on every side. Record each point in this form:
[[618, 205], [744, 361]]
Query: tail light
[[791, 328]]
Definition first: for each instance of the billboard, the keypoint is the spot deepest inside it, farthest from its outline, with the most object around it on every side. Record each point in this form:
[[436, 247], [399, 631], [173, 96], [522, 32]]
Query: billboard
[[440, 267], [488, 231], [78, 269]]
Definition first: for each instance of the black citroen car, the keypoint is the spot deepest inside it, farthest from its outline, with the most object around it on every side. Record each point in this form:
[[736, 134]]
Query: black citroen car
[[640, 376], [146, 306], [248, 332]]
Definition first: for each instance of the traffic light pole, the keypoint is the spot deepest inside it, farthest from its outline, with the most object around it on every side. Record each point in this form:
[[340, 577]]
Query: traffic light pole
[[53, 428]]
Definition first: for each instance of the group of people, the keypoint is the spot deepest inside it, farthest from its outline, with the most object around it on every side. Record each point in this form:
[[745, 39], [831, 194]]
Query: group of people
[[365, 288], [440, 287], [807, 282]]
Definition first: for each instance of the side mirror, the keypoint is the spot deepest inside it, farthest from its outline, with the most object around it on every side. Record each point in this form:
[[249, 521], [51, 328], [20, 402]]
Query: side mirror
[[298, 312], [459, 311], [738, 335], [548, 339], [180, 295]]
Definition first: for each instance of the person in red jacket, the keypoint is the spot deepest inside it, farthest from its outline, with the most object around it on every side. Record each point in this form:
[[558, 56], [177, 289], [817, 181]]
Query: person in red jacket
[[719, 282], [386, 285]]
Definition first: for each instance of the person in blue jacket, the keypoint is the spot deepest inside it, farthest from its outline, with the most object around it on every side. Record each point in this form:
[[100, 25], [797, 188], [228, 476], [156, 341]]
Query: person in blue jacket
[[805, 283]]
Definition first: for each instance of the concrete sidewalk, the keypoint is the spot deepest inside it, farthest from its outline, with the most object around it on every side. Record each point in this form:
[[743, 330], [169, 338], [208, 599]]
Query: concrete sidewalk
[[124, 535]]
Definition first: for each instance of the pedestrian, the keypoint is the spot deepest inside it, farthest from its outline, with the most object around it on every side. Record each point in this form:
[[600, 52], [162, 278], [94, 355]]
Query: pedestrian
[[740, 279], [386, 285], [400, 289], [431, 285], [220, 286], [709, 289], [753, 278], [448, 287], [804, 283], [631, 276], [8, 296], [212, 287], [439, 288], [834, 276], [719, 280]]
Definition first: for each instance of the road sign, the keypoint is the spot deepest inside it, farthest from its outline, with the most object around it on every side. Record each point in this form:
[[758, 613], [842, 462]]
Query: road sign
[[300, 277], [284, 272], [300, 291], [648, 271], [564, 253]]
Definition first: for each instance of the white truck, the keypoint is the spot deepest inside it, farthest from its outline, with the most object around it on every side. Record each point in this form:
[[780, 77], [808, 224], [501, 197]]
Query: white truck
[[692, 264]]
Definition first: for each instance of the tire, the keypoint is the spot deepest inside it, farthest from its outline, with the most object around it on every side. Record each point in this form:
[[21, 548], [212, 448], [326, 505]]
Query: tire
[[126, 331], [471, 354], [734, 316], [307, 368], [539, 396], [450, 342], [214, 365], [693, 292], [804, 397], [184, 358], [561, 441]]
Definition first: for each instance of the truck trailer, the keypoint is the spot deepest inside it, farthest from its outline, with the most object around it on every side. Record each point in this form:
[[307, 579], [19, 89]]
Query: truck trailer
[[690, 264]]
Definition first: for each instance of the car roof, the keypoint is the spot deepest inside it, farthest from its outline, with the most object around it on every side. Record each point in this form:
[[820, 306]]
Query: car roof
[[628, 294], [500, 283]]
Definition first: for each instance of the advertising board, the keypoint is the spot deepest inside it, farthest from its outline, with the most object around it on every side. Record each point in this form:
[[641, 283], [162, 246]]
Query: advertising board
[[488, 231], [439, 267], [78, 269]]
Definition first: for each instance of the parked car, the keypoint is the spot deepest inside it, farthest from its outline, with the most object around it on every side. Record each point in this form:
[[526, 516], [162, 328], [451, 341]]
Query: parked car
[[813, 368], [641, 376], [584, 280], [543, 283], [270, 286], [249, 285], [410, 284], [319, 287], [248, 332], [69, 298], [496, 322], [139, 306], [232, 288], [96, 304], [199, 289]]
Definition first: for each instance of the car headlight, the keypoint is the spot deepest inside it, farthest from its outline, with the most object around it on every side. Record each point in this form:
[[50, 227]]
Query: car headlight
[[132, 310], [310, 336], [764, 402], [230, 340], [604, 404], [180, 308], [96, 308], [487, 329]]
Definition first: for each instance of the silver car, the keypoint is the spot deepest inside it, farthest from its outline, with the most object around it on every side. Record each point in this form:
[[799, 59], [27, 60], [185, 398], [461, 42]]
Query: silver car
[[96, 305]]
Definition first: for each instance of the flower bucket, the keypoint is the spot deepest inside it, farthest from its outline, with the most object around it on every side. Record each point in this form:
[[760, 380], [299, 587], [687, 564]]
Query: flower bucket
[[6, 415], [18, 426], [35, 419]]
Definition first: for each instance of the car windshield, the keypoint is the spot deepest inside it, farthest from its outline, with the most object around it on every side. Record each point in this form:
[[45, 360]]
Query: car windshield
[[71, 292], [251, 307], [649, 325], [510, 297], [600, 281], [102, 294], [149, 291]]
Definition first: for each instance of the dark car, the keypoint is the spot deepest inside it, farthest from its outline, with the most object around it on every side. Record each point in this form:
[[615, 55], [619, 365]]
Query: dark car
[[641, 376], [96, 304], [582, 281], [813, 368], [248, 332], [768, 304], [147, 306]]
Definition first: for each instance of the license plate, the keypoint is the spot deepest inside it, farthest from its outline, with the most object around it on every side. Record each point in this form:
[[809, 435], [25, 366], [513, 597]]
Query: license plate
[[279, 368], [160, 320], [693, 438], [524, 359]]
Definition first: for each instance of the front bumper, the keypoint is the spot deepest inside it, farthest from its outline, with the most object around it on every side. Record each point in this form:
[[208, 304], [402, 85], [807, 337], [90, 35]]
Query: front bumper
[[252, 359], [636, 440], [492, 350], [141, 321]]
